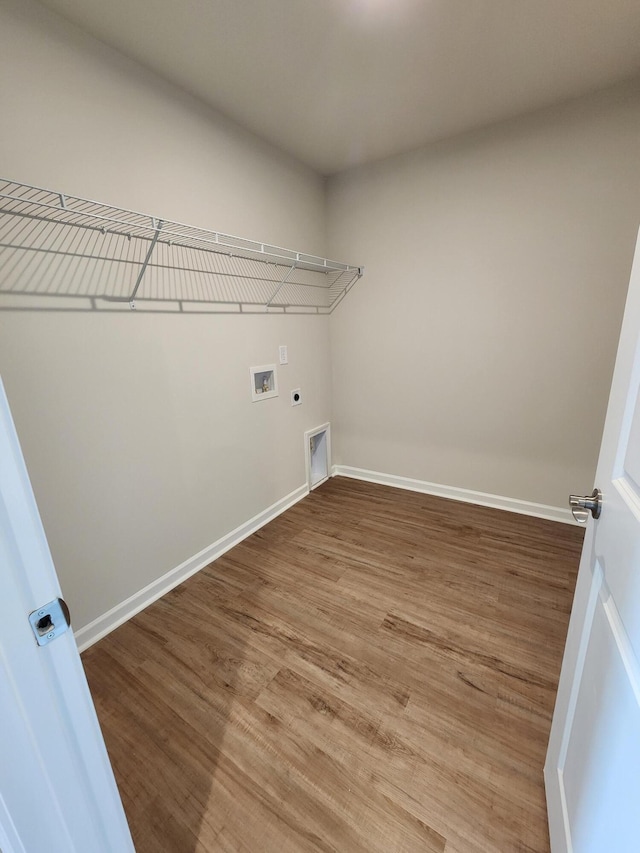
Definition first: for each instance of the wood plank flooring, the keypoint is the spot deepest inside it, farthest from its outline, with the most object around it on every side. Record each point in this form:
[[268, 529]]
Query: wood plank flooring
[[373, 671]]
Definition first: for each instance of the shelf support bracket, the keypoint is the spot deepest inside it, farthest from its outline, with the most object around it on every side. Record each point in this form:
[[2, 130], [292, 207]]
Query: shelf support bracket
[[281, 285], [157, 224]]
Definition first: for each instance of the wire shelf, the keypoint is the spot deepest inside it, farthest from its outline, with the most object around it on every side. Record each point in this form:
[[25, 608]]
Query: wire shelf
[[55, 245]]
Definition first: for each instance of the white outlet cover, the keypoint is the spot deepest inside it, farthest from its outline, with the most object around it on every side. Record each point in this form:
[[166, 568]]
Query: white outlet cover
[[284, 356], [296, 393]]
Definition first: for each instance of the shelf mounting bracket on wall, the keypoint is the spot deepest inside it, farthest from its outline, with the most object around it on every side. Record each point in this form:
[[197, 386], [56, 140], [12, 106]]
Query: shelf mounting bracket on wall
[[145, 263], [280, 286]]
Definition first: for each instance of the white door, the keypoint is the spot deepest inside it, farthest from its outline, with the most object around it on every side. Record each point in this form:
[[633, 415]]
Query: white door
[[592, 773], [57, 791]]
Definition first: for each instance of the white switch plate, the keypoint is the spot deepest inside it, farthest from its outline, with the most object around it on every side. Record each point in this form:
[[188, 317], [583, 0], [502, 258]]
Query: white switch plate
[[296, 393], [284, 357]]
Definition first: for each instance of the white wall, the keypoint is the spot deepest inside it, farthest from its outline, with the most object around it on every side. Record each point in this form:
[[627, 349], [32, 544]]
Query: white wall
[[139, 432], [477, 351]]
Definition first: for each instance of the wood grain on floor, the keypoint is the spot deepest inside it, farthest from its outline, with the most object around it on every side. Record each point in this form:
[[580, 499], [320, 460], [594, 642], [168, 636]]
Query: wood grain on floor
[[375, 670]]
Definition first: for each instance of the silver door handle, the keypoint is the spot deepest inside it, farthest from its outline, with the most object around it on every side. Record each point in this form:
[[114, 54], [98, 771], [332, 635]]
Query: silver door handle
[[581, 507]]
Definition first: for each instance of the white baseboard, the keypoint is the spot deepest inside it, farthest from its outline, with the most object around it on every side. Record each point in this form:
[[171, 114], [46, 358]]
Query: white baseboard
[[552, 513], [103, 625]]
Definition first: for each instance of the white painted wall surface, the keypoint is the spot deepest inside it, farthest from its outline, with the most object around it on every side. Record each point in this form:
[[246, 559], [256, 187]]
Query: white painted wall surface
[[141, 440], [478, 350]]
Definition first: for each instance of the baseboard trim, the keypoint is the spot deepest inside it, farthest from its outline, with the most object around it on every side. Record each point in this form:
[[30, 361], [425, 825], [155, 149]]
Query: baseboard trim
[[103, 625], [551, 513]]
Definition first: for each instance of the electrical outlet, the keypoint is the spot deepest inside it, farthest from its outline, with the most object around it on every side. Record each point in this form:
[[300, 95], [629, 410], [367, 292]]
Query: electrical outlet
[[296, 397], [284, 357]]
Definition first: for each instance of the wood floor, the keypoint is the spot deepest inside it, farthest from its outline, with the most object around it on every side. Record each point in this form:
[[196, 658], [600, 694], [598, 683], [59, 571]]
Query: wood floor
[[373, 671]]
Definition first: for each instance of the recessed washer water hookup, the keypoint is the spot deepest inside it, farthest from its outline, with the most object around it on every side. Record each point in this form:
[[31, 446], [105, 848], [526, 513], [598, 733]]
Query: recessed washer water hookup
[[264, 382]]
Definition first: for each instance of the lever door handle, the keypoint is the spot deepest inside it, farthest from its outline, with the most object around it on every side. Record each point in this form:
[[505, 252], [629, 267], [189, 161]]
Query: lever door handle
[[582, 506]]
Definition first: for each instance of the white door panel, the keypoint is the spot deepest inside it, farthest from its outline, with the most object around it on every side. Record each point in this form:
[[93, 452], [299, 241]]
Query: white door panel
[[591, 774], [617, 545], [56, 785], [601, 783]]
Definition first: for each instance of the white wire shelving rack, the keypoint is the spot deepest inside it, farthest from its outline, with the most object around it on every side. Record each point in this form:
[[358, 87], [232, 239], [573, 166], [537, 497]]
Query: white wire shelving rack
[[97, 256]]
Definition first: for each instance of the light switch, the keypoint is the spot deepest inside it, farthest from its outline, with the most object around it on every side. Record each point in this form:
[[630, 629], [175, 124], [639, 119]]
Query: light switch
[[284, 358]]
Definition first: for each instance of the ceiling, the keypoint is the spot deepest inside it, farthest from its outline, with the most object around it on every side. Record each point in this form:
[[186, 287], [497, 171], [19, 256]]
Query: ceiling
[[342, 82]]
